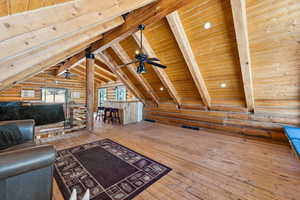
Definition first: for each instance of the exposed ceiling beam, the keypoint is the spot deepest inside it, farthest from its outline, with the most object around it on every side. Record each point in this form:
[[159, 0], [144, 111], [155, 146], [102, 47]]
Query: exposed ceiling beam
[[74, 23], [147, 15], [102, 65], [162, 75], [103, 72], [104, 69], [83, 75], [241, 32], [80, 11], [83, 68], [18, 70], [71, 62], [121, 53], [108, 60], [99, 71], [188, 54]]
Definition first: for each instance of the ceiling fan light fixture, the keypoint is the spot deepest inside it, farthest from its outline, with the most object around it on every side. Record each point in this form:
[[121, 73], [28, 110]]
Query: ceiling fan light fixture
[[141, 69]]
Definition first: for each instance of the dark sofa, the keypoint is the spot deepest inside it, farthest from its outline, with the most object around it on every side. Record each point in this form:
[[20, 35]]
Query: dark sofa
[[26, 170]]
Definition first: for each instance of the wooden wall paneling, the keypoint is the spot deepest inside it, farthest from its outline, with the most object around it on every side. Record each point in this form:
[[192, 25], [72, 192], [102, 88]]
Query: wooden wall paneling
[[241, 32], [108, 60], [160, 72], [215, 49], [45, 79], [118, 49], [274, 44], [130, 46], [164, 44], [187, 52]]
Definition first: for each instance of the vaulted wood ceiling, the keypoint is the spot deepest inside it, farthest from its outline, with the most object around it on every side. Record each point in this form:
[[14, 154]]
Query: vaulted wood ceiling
[[255, 68]]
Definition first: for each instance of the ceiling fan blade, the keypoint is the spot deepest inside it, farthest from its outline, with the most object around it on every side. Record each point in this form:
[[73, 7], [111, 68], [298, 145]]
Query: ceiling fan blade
[[157, 64], [135, 61], [153, 59]]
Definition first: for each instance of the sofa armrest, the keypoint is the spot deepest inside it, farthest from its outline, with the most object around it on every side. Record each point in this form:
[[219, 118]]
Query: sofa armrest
[[26, 127], [19, 161]]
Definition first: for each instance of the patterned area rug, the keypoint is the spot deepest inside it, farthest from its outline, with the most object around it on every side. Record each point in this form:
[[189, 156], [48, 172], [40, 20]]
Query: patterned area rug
[[110, 170]]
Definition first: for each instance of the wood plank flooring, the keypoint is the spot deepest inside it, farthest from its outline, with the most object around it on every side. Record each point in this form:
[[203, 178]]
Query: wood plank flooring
[[206, 165]]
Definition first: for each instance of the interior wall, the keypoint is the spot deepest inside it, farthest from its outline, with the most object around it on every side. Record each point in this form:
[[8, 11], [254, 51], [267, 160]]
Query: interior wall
[[110, 92], [274, 31], [46, 79]]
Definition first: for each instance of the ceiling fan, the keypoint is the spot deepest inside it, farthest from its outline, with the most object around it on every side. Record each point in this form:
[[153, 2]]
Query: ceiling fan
[[68, 75], [143, 58]]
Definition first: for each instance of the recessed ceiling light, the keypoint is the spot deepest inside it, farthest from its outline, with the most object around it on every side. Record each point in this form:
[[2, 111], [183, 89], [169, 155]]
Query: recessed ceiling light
[[207, 25], [223, 85], [161, 89]]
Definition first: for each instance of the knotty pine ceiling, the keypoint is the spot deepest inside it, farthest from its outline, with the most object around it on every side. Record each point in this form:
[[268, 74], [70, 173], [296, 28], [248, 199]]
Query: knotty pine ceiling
[[274, 44]]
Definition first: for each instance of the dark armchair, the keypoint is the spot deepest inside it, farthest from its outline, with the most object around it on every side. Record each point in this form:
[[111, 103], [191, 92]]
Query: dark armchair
[[26, 170]]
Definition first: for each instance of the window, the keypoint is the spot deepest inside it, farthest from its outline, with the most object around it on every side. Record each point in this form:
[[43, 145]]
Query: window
[[27, 93], [102, 96], [120, 92], [54, 95]]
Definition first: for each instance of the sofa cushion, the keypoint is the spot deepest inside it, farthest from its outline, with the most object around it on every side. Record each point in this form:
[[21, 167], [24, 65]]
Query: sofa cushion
[[292, 132], [10, 135], [296, 145]]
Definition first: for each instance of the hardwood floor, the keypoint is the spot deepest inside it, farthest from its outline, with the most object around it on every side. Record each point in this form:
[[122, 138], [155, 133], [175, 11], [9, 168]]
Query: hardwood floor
[[206, 165]]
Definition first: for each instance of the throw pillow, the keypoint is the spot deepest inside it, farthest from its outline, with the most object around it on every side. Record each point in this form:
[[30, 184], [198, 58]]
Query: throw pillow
[[10, 135]]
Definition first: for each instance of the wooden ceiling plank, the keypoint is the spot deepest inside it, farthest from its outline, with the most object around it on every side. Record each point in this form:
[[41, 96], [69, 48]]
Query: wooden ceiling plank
[[162, 75], [82, 67], [103, 68], [188, 54], [241, 31], [147, 15], [26, 67], [104, 78], [108, 60], [105, 74], [121, 53], [15, 25], [82, 74]]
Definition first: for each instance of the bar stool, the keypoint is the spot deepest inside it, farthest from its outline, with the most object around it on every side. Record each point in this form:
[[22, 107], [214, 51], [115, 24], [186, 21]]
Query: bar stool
[[100, 113], [115, 116], [107, 115]]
